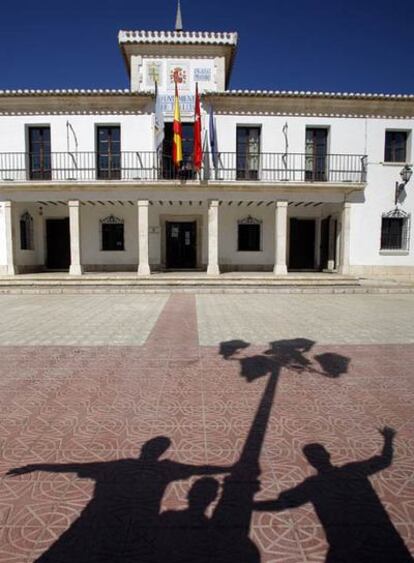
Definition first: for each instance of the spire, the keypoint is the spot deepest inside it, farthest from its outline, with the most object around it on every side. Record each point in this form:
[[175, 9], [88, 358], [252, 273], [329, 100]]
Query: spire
[[178, 19]]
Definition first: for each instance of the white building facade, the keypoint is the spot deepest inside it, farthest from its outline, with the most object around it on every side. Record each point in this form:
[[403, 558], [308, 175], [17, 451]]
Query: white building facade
[[291, 181]]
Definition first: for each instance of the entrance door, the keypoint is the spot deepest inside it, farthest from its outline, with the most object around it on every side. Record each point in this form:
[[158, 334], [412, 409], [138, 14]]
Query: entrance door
[[302, 244], [181, 244], [58, 244]]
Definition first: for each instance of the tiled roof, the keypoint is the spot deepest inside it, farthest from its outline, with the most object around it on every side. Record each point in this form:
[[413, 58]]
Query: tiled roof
[[74, 92], [308, 94], [178, 37]]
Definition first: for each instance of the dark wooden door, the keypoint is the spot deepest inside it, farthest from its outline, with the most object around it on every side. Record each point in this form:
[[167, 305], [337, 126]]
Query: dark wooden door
[[302, 244], [58, 244], [181, 245], [109, 152], [316, 154], [40, 166]]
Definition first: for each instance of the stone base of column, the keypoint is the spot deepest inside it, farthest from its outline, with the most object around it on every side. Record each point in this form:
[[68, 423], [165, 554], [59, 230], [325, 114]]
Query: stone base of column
[[11, 270], [344, 270], [213, 270], [144, 270], [75, 270], [280, 270]]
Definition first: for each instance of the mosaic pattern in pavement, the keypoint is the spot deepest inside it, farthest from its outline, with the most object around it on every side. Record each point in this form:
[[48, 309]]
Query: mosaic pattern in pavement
[[78, 320], [95, 441], [350, 319]]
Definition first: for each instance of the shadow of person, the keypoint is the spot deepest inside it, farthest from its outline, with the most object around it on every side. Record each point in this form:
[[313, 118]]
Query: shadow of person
[[232, 516], [120, 521], [187, 536], [357, 526]]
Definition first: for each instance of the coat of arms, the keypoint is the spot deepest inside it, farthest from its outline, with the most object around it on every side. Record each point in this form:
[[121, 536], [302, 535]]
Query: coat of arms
[[178, 74]]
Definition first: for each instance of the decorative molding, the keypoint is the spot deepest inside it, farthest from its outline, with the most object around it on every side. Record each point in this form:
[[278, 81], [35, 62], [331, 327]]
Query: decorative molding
[[180, 37], [76, 92], [396, 213], [112, 220], [307, 94], [249, 220]]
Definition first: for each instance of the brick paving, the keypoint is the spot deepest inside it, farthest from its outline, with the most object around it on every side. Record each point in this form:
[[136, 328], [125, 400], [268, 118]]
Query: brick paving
[[96, 439]]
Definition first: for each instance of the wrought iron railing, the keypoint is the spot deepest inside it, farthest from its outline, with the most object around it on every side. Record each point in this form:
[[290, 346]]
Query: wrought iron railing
[[153, 166]]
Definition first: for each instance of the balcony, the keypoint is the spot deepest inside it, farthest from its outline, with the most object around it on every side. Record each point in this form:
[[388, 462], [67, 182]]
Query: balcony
[[223, 167]]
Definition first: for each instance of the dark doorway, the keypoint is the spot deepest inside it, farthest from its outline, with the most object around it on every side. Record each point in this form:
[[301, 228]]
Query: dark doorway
[[302, 244], [58, 244], [325, 242], [181, 244], [328, 246]]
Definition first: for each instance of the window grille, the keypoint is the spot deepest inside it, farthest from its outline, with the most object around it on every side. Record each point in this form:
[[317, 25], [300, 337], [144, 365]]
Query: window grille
[[249, 234], [395, 230], [112, 233], [26, 231]]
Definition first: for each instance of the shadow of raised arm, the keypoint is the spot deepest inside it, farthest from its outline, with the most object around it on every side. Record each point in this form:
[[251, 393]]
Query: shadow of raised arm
[[85, 469], [377, 462]]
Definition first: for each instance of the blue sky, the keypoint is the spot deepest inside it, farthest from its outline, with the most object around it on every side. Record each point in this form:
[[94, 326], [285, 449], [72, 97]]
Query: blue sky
[[336, 45]]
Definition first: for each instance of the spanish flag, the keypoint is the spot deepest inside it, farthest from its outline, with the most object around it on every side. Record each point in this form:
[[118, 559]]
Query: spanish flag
[[177, 132]]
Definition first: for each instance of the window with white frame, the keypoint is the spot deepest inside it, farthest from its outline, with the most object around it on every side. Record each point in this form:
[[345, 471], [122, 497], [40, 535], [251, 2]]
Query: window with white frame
[[112, 233], [396, 144], [249, 234], [395, 230], [26, 231]]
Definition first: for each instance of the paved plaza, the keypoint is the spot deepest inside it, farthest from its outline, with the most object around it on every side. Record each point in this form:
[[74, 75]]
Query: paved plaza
[[206, 428]]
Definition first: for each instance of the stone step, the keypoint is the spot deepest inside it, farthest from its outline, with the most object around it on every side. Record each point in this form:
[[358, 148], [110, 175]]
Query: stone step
[[51, 283]]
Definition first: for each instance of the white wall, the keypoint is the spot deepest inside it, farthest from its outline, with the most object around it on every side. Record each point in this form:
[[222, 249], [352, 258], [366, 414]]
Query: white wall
[[136, 131]]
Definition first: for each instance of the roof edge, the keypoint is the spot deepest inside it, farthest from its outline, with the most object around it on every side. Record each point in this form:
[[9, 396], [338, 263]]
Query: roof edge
[[75, 92], [307, 94]]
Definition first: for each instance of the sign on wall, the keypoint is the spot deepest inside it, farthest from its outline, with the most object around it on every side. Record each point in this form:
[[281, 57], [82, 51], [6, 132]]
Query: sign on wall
[[202, 74]]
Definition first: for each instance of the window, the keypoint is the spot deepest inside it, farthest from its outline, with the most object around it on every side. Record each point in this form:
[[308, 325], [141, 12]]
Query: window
[[39, 156], [395, 230], [248, 153], [109, 152], [316, 154], [395, 146], [249, 234], [112, 229], [26, 231]]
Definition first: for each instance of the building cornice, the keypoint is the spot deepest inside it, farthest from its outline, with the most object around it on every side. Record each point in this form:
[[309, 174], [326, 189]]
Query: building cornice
[[314, 104], [178, 37], [74, 92], [79, 102], [306, 94]]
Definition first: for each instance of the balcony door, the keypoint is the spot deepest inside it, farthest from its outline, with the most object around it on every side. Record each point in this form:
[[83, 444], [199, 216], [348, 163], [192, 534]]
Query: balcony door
[[316, 154], [169, 170], [108, 154], [40, 167], [248, 153]]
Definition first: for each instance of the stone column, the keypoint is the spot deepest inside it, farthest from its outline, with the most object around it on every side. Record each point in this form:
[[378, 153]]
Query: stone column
[[331, 244], [213, 211], [345, 238], [10, 256], [143, 262], [280, 268], [75, 238]]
